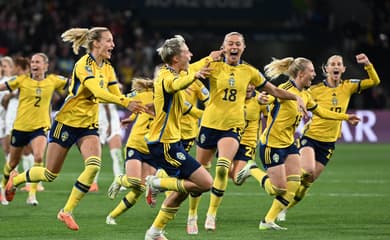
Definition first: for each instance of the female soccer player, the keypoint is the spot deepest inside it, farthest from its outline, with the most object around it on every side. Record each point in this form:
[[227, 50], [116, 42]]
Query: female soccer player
[[223, 118], [93, 80], [164, 137], [33, 115], [278, 153], [139, 163], [317, 144]]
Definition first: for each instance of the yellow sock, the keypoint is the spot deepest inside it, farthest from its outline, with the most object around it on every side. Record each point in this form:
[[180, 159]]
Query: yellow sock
[[165, 215], [258, 174], [84, 181], [129, 182], [194, 200], [172, 184], [282, 201], [128, 201], [301, 192], [34, 185], [219, 185], [6, 171]]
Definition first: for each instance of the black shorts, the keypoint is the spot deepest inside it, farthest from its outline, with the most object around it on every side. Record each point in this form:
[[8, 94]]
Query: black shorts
[[66, 136], [134, 154], [323, 150], [208, 137], [271, 157], [173, 159], [21, 138], [245, 153]]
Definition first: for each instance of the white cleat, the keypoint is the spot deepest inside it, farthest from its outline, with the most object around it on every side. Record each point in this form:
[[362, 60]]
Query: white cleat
[[245, 172], [3, 201], [32, 200], [192, 225], [282, 215], [114, 188], [209, 225], [151, 191], [110, 220], [155, 235], [270, 226]]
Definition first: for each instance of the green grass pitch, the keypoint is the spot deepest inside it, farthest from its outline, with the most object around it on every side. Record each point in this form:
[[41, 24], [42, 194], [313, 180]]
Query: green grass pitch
[[349, 201]]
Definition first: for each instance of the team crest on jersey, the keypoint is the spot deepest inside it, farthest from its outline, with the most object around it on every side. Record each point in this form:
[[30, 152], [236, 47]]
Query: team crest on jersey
[[88, 69], [202, 138], [232, 81], [101, 83], [64, 136], [335, 101], [180, 156], [205, 91], [130, 153], [275, 157], [38, 91]]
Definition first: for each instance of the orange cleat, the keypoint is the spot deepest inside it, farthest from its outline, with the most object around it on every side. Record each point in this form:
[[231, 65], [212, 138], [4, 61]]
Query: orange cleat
[[67, 218]]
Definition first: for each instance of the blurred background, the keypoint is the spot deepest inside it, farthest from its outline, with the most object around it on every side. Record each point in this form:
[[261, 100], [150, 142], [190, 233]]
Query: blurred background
[[315, 29]]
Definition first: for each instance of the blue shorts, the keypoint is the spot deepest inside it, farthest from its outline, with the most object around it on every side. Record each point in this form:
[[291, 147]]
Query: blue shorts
[[245, 153], [173, 159], [323, 150], [134, 154], [188, 143], [21, 138], [208, 137], [271, 157], [66, 136]]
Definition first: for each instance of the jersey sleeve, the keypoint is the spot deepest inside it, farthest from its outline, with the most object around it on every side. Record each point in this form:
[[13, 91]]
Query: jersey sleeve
[[372, 80], [13, 83], [202, 92]]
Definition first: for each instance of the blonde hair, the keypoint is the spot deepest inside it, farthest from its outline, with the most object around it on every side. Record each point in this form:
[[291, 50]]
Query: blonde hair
[[287, 66], [171, 48], [142, 84], [83, 37], [232, 34], [323, 67], [9, 60], [43, 56]]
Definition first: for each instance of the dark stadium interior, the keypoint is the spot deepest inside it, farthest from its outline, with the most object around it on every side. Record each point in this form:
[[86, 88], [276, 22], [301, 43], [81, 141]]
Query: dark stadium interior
[[315, 29]]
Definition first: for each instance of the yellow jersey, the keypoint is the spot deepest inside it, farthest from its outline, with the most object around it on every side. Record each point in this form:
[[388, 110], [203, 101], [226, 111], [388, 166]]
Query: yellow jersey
[[284, 117], [335, 99], [228, 84], [90, 85], [190, 124], [141, 123], [169, 105], [34, 109], [253, 112]]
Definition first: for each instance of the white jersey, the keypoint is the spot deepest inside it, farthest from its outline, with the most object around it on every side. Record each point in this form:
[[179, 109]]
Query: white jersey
[[104, 122], [6, 125]]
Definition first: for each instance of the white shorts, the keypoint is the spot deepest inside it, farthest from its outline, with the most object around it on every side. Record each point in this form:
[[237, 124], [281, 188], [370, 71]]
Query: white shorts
[[2, 121], [103, 123], [10, 115]]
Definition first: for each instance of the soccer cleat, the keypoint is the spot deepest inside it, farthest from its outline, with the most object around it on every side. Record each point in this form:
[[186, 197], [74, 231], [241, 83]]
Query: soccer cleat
[[270, 226], [110, 220], [245, 172], [159, 235], [68, 220], [3, 201], [10, 189], [151, 191], [94, 187], [32, 200], [114, 188], [192, 225], [282, 215], [209, 225]]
